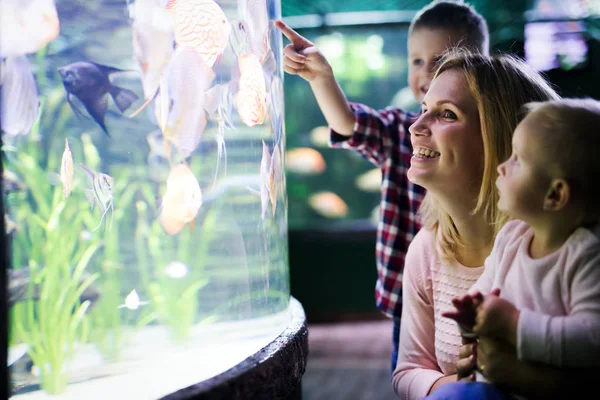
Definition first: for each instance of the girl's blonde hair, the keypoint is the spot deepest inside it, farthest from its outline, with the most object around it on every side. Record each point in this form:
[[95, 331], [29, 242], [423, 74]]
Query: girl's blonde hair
[[501, 86], [569, 134]]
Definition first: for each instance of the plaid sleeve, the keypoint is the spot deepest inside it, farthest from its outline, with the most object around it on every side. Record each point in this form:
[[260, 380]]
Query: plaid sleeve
[[377, 133]]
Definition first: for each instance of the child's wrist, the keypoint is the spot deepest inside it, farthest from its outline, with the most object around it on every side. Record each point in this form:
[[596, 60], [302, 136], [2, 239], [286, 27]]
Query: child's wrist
[[324, 77]]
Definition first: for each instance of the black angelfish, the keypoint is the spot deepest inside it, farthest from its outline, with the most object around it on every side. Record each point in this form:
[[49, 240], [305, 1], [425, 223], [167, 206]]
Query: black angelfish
[[89, 82]]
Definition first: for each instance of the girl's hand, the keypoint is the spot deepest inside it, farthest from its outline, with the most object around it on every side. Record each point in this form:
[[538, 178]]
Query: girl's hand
[[302, 57], [465, 312], [497, 318]]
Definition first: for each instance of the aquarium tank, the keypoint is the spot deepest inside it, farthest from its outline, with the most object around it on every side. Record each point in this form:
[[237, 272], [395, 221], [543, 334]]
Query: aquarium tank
[[146, 209]]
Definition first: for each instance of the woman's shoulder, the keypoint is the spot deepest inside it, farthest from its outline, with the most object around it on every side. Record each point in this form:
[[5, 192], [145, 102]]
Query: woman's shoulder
[[424, 240], [422, 249]]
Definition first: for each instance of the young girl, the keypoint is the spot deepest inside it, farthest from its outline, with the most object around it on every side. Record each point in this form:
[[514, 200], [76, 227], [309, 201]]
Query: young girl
[[545, 264]]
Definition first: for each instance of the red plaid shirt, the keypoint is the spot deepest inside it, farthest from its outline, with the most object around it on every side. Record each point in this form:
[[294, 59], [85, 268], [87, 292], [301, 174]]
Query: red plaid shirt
[[382, 138]]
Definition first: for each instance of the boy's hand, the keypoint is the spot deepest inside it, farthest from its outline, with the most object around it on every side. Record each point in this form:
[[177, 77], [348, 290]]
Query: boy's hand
[[498, 318], [302, 57]]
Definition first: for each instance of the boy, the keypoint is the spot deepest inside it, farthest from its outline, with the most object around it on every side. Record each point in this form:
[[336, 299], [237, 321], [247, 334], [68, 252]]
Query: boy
[[382, 136]]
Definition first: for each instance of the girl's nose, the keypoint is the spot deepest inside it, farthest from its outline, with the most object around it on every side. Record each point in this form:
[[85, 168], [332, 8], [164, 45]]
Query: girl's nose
[[501, 169]]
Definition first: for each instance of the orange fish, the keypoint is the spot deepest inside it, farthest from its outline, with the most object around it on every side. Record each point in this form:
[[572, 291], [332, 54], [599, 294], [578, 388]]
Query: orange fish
[[304, 161], [370, 181], [328, 204], [182, 200], [251, 98], [202, 25]]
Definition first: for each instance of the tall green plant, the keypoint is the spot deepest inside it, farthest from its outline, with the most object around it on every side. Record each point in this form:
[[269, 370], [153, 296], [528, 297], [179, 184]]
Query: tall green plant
[[52, 324]]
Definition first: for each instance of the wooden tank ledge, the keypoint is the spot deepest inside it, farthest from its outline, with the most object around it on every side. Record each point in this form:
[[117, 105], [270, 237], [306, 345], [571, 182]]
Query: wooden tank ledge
[[275, 372]]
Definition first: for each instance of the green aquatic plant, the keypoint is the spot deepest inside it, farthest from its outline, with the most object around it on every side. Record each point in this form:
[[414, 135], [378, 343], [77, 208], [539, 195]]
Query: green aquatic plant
[[63, 262], [54, 322]]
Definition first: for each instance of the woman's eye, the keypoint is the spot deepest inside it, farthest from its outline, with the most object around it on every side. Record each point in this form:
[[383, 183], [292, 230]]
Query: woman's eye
[[417, 62], [448, 114]]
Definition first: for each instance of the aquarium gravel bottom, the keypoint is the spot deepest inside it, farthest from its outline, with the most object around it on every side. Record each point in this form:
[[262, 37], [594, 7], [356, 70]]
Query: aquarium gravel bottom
[[151, 367]]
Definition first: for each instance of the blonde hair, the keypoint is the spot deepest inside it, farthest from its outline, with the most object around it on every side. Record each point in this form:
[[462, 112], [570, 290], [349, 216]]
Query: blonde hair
[[501, 86], [570, 136]]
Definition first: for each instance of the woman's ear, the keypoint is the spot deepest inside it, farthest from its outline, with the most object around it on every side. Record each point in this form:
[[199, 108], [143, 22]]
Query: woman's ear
[[558, 195]]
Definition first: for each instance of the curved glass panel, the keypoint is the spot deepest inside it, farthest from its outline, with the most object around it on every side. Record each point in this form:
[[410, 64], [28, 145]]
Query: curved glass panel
[[143, 148]]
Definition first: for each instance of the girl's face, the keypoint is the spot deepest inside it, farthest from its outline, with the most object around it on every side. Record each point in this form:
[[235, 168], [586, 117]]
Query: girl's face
[[522, 181], [446, 138]]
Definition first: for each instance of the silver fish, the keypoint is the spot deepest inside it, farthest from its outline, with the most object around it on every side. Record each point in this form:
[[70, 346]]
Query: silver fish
[[265, 167], [100, 193], [19, 101]]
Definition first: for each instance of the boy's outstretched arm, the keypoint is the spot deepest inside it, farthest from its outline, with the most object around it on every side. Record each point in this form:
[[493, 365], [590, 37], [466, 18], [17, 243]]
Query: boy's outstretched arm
[[304, 59]]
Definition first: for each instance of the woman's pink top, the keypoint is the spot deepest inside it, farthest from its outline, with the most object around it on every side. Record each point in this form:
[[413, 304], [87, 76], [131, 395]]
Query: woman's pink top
[[429, 343]]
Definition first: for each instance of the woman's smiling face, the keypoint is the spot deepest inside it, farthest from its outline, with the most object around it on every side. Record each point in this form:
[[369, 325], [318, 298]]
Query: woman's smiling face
[[446, 138]]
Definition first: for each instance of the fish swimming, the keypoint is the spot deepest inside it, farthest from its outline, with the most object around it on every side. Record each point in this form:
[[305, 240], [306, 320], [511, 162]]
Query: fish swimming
[[66, 170], [89, 82], [153, 42], [305, 161], [202, 25], [270, 179], [19, 100], [328, 205], [26, 26], [265, 165], [132, 301], [276, 105], [182, 200], [251, 98], [370, 181], [181, 103], [275, 177], [257, 26], [100, 193]]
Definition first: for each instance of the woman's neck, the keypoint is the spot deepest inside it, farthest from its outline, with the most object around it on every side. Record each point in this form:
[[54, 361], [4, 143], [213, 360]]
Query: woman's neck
[[475, 232], [477, 238]]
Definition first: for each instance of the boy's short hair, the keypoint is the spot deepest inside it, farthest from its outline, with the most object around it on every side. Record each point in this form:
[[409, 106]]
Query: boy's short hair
[[458, 16], [571, 138]]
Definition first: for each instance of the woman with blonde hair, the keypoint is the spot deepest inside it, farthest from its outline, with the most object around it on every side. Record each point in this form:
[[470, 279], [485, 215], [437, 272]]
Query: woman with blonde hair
[[463, 133]]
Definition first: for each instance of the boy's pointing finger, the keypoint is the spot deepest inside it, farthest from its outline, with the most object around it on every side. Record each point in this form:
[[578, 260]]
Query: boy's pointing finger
[[291, 34]]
